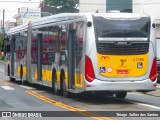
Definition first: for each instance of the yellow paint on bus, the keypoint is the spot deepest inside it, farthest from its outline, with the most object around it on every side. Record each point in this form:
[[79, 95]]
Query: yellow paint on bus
[[24, 71], [122, 65], [47, 76]]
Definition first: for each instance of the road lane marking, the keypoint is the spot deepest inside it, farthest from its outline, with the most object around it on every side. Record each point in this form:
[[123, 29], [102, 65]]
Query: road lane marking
[[7, 88], [6, 83], [147, 105], [1, 70], [27, 87], [68, 107], [135, 93], [142, 104]]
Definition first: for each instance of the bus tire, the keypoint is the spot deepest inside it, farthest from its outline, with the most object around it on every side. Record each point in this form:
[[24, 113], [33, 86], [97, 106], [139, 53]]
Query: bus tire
[[64, 88], [21, 75], [8, 70], [55, 84], [11, 79], [121, 95]]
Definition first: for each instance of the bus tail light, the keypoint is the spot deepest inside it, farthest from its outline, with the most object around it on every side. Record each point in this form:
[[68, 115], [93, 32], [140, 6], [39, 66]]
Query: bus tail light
[[153, 73], [89, 72]]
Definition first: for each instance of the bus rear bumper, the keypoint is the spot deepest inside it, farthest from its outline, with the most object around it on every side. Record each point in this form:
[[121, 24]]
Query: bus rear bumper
[[98, 85]]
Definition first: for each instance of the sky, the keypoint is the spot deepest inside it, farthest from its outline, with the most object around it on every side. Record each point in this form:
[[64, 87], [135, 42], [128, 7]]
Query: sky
[[11, 7]]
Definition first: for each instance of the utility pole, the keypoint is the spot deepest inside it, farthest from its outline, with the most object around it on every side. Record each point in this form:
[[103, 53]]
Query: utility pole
[[3, 22]]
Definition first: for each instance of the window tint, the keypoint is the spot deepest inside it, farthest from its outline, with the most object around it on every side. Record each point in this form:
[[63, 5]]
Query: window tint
[[121, 28]]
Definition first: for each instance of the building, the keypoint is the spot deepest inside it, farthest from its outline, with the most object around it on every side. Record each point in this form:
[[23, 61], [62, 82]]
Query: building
[[9, 25], [105, 5], [149, 7], [92, 6], [47, 10], [26, 14]]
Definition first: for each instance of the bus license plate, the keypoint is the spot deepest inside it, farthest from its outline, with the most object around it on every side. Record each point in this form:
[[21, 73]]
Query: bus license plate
[[122, 72]]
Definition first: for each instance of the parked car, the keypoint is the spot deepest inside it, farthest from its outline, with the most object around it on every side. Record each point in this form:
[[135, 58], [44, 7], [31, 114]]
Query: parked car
[[158, 59]]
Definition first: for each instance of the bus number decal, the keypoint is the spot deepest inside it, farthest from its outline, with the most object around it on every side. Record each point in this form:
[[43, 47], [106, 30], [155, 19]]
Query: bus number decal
[[138, 59]]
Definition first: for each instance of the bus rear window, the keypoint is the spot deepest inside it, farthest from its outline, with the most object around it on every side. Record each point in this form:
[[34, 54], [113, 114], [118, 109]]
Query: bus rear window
[[105, 28]]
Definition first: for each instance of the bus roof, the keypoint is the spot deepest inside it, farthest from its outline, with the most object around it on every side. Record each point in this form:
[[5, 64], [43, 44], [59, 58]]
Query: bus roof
[[121, 15], [18, 29], [72, 16]]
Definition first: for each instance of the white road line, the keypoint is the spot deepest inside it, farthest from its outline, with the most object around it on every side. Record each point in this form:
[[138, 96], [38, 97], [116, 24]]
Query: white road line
[[136, 93], [7, 88], [1, 70], [27, 87], [151, 106], [142, 104]]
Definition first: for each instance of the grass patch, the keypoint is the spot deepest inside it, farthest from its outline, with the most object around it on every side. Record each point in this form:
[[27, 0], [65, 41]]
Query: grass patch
[[2, 58]]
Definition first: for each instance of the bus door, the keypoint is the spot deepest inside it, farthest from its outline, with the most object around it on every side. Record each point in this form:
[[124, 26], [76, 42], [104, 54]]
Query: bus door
[[71, 59], [12, 56], [39, 58], [75, 55]]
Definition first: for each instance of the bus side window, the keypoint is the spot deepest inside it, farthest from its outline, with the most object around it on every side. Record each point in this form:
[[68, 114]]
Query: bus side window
[[8, 48], [79, 36], [63, 37]]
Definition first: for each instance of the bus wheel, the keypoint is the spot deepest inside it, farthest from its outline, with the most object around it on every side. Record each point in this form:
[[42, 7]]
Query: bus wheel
[[121, 95], [65, 92], [8, 70], [21, 75], [55, 84]]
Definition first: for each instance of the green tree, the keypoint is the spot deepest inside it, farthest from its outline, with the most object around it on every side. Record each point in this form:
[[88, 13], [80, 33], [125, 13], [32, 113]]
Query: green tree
[[1, 42], [62, 6]]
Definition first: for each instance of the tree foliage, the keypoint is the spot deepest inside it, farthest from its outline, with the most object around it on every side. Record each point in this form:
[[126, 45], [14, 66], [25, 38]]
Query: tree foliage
[[1, 42], [63, 6]]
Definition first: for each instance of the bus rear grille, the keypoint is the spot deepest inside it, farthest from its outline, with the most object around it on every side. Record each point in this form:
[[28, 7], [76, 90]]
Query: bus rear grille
[[129, 49]]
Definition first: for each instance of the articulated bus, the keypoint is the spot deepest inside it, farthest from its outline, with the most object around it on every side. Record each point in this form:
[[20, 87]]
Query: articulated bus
[[107, 53]]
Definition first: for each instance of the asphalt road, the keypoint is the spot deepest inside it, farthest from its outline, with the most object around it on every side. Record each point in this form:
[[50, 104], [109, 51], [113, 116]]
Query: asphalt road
[[23, 98], [19, 101]]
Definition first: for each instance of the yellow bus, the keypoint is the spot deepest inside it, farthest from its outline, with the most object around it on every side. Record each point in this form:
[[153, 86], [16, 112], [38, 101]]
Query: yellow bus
[[107, 53]]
